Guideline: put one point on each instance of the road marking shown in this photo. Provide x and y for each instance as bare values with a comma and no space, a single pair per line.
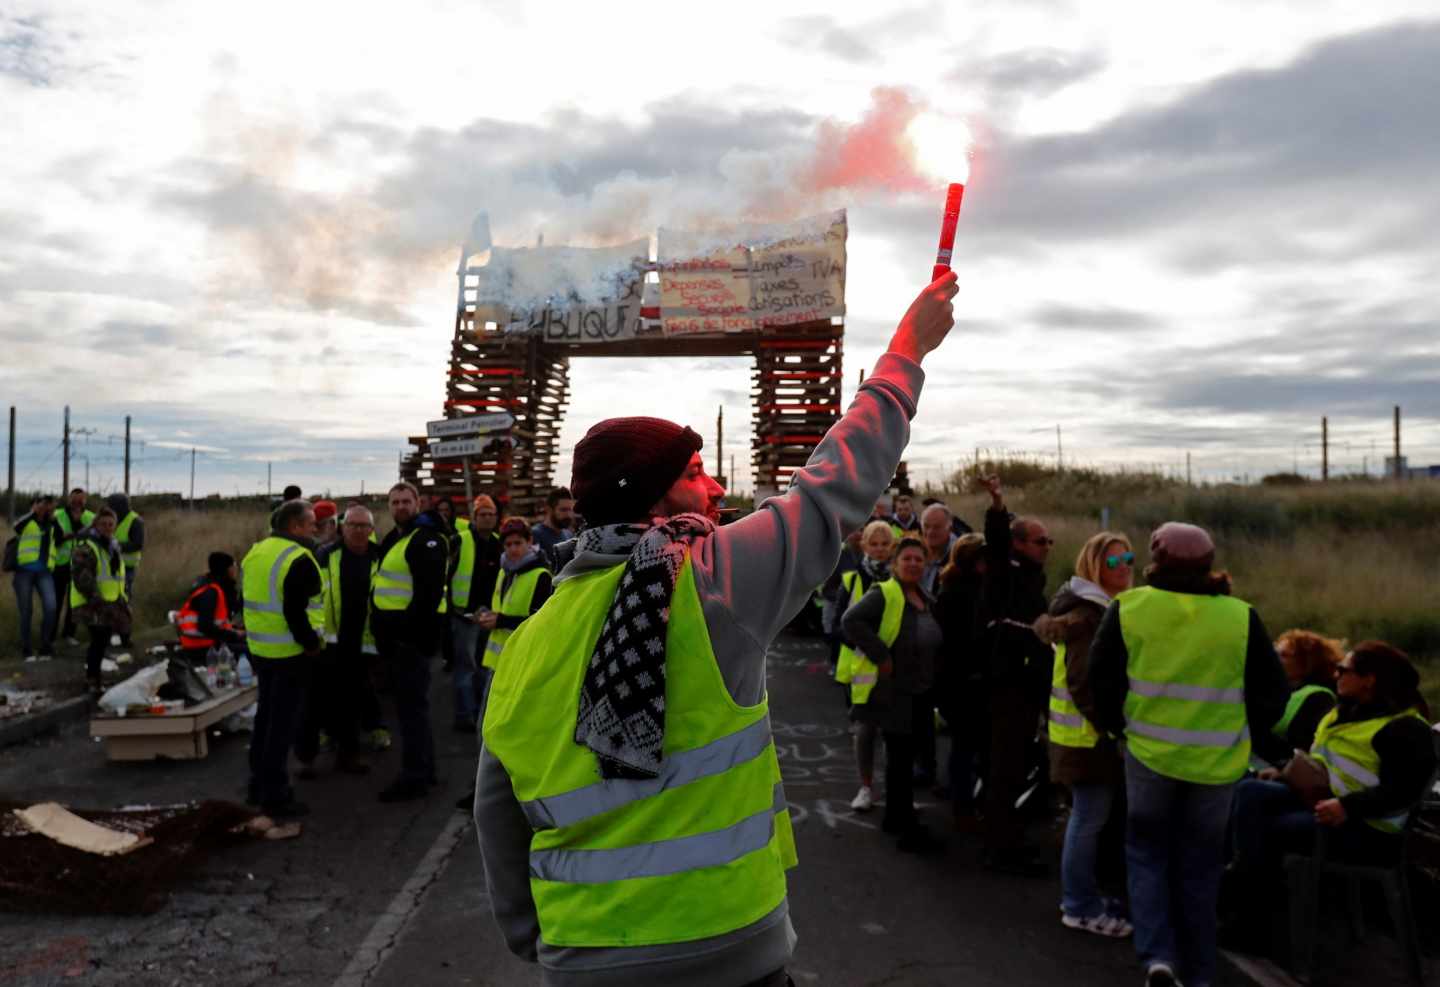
385,934
1262,971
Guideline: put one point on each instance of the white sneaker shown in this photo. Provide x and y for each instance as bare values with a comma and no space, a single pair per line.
864,800
1100,925
1161,975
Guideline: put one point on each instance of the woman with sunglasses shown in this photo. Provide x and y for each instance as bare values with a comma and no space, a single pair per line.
1080,757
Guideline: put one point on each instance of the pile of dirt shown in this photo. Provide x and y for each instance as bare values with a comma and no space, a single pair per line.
38,874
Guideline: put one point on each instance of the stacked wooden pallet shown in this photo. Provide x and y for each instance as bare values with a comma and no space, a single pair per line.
795,389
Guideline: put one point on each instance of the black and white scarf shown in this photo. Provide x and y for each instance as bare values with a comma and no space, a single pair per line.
622,700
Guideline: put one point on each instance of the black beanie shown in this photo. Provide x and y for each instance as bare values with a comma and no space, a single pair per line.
624,465
219,564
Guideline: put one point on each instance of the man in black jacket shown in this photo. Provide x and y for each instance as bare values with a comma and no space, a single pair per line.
1019,670
408,599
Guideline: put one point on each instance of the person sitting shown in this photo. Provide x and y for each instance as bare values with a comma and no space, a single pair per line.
1081,758
1310,662
1377,752
877,543
522,589
894,629
204,619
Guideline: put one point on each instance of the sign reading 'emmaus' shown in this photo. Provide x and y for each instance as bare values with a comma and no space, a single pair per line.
743,279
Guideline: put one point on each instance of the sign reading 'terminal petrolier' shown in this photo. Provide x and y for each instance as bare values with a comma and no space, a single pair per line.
448,428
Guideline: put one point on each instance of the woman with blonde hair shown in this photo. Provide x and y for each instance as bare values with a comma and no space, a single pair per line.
1310,661
1081,758
877,545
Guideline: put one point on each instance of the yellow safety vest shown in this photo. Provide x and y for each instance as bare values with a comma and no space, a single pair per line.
1292,706
515,602
262,575
32,540
394,583
330,585
461,582
864,672
62,552
697,852
1185,711
845,665
1348,752
109,583
122,535
1068,726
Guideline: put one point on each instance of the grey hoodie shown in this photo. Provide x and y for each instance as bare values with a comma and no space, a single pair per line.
752,577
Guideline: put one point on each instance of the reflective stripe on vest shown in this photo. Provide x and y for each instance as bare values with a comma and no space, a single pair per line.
864,672
62,552
394,585
32,542
1068,726
1348,752
122,535
109,583
1185,709
610,859
1292,707
334,600
262,574
188,620
514,602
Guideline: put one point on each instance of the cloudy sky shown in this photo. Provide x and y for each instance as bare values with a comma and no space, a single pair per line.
1190,227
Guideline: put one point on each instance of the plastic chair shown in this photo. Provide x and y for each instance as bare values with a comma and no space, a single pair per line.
1305,875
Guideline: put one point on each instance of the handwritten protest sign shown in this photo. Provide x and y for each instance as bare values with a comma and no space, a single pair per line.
565,294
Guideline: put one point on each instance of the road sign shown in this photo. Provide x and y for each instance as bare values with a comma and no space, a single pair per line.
458,447
447,428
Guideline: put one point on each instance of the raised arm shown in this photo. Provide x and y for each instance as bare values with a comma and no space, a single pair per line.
754,575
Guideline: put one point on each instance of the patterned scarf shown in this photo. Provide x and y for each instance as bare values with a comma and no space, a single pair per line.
878,571
622,700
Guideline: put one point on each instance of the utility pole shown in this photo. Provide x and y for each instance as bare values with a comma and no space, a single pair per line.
11,483
127,455
731,477
1324,449
65,471
720,444
1397,442
469,489
1187,470
1059,451
192,478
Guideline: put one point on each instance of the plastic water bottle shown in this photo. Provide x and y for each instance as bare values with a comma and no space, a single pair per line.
246,673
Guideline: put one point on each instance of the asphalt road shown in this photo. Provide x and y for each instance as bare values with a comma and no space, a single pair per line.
394,896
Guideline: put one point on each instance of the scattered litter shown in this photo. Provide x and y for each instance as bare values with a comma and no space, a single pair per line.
19,702
53,820
267,828
106,665
123,658
140,689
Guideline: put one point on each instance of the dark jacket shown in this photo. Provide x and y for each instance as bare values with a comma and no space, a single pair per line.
1266,688
1299,735
1407,762
543,587
1072,621
486,569
1013,597
915,654
428,558
960,611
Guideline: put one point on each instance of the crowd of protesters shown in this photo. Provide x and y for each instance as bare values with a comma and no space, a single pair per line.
1162,714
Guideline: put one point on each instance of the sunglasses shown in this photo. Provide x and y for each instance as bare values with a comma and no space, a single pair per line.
1115,561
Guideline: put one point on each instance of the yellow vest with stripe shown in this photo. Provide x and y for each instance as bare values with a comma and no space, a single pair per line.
864,672
1292,707
262,575
122,535
109,583
1185,711
699,851
514,602
32,540
845,665
1068,726
330,589
62,552
461,582
1348,752
394,583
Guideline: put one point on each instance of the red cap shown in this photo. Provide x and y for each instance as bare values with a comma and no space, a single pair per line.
325,509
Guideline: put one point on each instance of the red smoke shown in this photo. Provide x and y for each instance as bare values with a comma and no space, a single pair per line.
874,154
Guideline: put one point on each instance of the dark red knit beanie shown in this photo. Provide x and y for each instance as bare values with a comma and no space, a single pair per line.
624,465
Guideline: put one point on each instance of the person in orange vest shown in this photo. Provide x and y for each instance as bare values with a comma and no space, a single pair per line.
205,620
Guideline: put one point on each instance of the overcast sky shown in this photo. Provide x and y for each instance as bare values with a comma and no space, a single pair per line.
1190,227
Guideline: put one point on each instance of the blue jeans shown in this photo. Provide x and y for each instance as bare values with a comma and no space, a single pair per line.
1175,854
27,584
465,639
1269,821
1089,811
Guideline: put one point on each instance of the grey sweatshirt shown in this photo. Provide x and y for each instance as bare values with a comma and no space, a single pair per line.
752,577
